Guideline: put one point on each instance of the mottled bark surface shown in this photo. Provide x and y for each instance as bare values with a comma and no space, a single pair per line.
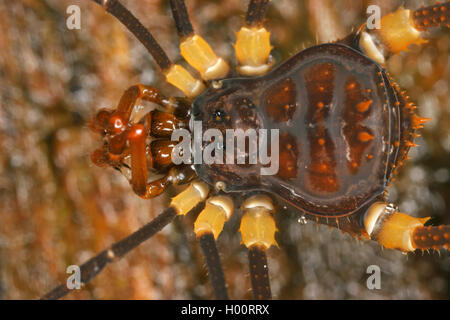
58,209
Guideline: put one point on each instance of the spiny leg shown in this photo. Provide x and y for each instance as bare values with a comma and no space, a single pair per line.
432,16
253,41
400,29
431,237
207,227
383,223
175,74
194,49
396,230
187,201
258,234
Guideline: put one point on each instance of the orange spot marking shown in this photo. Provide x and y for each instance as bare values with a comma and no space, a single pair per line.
364,136
364,106
321,141
396,143
320,105
369,156
351,86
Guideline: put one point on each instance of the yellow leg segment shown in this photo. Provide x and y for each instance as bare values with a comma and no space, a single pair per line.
217,211
397,32
186,200
198,53
390,228
253,50
183,80
257,224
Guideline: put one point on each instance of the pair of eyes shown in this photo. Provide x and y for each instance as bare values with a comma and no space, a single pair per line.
244,106
220,116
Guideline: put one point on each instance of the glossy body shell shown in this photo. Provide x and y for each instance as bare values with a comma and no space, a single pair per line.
343,128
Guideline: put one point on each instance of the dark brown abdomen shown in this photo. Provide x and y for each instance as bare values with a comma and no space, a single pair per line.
336,130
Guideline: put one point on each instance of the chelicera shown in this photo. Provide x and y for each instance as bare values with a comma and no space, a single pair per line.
345,127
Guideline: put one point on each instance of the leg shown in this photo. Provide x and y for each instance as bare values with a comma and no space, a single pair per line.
207,227
432,16
396,230
116,9
383,223
253,41
175,74
215,271
259,272
401,29
194,49
194,195
258,234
